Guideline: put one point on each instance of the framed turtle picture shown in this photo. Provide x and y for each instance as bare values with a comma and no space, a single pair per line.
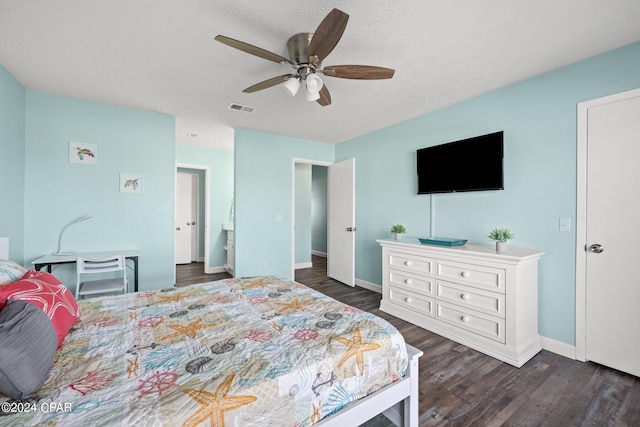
130,183
80,152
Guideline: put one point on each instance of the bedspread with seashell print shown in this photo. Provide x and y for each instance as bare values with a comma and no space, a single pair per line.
236,352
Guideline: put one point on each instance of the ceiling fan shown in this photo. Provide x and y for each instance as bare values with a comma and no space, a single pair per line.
306,53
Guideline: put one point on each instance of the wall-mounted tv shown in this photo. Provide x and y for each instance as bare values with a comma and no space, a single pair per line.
472,164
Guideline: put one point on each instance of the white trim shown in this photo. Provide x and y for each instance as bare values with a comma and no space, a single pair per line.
369,285
557,347
212,270
581,212
207,211
318,253
300,265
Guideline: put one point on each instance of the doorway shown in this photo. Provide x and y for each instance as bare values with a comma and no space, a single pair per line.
335,225
607,292
310,199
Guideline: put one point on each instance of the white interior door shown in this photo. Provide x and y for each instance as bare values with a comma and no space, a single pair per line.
342,218
612,214
183,218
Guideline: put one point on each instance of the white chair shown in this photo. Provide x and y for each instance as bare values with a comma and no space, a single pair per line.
90,266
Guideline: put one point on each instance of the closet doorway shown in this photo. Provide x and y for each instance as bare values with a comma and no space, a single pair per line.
191,213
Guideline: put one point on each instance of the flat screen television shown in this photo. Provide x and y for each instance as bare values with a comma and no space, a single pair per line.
472,164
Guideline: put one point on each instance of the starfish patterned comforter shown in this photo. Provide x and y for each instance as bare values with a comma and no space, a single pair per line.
236,352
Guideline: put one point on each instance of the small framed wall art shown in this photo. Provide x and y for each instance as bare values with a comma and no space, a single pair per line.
130,183
83,153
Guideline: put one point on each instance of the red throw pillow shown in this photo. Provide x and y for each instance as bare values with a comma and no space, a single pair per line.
44,290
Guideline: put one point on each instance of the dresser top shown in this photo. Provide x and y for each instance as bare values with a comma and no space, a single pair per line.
469,249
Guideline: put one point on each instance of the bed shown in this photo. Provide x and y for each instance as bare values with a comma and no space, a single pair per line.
237,352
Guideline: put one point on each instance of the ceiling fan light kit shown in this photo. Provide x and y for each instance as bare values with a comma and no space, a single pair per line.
306,53
314,83
291,86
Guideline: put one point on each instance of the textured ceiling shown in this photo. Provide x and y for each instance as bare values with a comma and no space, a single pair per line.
160,55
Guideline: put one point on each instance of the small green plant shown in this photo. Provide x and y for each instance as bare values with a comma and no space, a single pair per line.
501,234
398,229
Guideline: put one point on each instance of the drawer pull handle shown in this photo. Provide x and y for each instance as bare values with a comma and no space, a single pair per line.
408,300
465,319
407,281
407,263
466,274
464,296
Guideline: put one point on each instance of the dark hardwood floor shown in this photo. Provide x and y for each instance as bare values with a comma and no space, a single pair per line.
462,387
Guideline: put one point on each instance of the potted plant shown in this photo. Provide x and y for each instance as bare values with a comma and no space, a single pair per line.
397,230
501,235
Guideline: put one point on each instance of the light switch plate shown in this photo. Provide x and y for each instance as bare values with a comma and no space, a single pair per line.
565,224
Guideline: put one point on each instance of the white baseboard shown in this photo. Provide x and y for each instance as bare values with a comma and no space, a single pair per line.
212,270
320,254
368,285
303,265
563,349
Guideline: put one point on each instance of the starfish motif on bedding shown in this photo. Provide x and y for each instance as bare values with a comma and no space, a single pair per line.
215,404
257,283
355,347
189,330
293,305
164,298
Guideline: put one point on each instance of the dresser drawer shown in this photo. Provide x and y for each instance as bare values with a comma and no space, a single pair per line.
412,263
475,275
412,282
481,324
467,297
418,303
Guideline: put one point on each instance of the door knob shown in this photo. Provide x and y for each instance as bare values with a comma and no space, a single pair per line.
177,228
596,248
351,229
188,224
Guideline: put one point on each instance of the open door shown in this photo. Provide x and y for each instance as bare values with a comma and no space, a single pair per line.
184,218
342,217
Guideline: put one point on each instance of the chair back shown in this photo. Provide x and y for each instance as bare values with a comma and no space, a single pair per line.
86,266
100,265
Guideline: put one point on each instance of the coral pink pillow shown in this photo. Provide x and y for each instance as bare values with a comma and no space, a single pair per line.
45,291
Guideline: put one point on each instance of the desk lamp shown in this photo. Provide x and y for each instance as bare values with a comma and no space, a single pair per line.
75,221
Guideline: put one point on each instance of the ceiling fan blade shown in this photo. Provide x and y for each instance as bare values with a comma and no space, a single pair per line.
253,50
360,72
325,97
328,34
267,83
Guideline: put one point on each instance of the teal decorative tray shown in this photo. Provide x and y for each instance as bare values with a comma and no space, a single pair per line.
442,241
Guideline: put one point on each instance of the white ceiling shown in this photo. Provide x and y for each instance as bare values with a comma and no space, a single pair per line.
160,55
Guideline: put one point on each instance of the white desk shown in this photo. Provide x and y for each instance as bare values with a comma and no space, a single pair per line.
49,260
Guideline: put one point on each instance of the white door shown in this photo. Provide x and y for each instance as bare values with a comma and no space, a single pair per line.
183,221
342,218
612,215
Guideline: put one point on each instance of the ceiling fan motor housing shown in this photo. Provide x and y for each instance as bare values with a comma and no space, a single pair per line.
298,46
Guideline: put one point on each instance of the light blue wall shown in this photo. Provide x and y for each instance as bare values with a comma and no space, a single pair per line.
319,190
220,164
12,130
263,193
538,117
303,213
128,141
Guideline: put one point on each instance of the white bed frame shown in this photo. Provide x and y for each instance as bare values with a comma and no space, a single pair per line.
398,401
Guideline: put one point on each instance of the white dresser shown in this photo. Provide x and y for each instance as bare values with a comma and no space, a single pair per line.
481,298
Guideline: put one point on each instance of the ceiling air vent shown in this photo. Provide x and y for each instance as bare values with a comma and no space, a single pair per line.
239,107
